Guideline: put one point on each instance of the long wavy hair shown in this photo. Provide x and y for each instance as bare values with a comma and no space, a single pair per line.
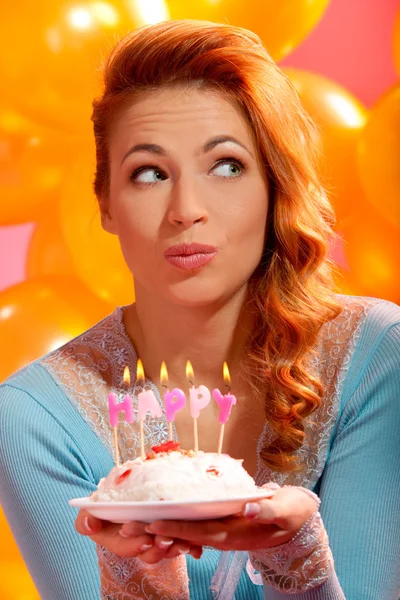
291,289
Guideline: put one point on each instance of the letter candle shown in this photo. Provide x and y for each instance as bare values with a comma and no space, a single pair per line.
147,402
114,407
199,398
174,401
225,404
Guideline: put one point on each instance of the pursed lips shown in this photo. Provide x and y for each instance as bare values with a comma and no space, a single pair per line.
190,256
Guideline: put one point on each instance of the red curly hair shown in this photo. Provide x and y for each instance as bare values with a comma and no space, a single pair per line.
292,287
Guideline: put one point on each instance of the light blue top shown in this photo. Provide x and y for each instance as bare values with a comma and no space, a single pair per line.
49,454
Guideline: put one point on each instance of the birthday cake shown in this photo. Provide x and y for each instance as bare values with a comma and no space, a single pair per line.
168,473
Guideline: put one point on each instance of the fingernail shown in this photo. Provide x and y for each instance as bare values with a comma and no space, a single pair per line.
145,547
251,510
148,529
165,544
86,525
126,530
183,549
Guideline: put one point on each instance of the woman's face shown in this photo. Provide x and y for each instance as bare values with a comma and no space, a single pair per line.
188,199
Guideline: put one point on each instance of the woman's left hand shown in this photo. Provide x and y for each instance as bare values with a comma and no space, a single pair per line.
261,524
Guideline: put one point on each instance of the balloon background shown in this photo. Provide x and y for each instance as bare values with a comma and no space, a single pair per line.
60,272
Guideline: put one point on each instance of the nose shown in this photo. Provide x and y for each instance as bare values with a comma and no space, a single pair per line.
186,206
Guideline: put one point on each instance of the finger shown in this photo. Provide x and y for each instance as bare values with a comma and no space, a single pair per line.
196,552
133,529
178,548
123,547
86,524
289,508
197,532
153,555
163,542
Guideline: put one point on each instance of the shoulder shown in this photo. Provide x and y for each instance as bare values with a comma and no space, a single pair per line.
374,355
372,311
376,311
361,319
373,320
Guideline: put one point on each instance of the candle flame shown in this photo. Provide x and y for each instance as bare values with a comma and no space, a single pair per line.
139,371
227,377
189,372
163,374
127,376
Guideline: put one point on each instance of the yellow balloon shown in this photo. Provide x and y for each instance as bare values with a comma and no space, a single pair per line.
47,252
42,314
15,582
281,25
379,156
341,119
372,248
96,254
397,41
33,162
53,50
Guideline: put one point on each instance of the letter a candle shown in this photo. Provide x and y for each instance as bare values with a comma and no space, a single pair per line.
174,401
147,402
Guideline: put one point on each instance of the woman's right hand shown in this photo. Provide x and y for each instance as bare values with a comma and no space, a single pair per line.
133,541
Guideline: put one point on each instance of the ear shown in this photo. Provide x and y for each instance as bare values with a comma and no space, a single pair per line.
107,222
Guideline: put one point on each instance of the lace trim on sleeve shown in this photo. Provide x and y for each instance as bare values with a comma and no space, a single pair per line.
301,564
132,579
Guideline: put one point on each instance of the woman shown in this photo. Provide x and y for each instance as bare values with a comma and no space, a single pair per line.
206,173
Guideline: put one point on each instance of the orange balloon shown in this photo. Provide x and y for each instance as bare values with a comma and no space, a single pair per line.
379,156
397,41
96,254
15,582
8,546
340,118
281,25
372,248
53,52
42,314
47,252
33,162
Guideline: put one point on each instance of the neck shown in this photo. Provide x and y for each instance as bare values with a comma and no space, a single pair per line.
207,336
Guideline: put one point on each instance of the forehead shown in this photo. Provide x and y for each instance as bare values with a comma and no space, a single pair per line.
187,114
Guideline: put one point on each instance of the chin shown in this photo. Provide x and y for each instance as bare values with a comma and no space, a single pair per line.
193,294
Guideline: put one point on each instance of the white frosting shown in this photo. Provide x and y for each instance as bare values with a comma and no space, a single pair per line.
176,476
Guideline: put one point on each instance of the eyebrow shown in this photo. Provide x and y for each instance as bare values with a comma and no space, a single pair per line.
208,146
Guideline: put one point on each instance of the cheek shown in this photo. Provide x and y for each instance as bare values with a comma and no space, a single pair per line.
137,232
246,220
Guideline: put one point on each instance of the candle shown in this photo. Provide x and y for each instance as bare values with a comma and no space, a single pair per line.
174,401
225,404
199,398
115,407
147,402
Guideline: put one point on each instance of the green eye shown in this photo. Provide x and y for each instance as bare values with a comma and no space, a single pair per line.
228,169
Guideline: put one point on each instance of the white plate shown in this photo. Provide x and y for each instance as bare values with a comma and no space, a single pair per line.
191,510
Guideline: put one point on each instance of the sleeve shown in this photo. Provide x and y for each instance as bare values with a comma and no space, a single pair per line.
360,486
41,468
132,579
